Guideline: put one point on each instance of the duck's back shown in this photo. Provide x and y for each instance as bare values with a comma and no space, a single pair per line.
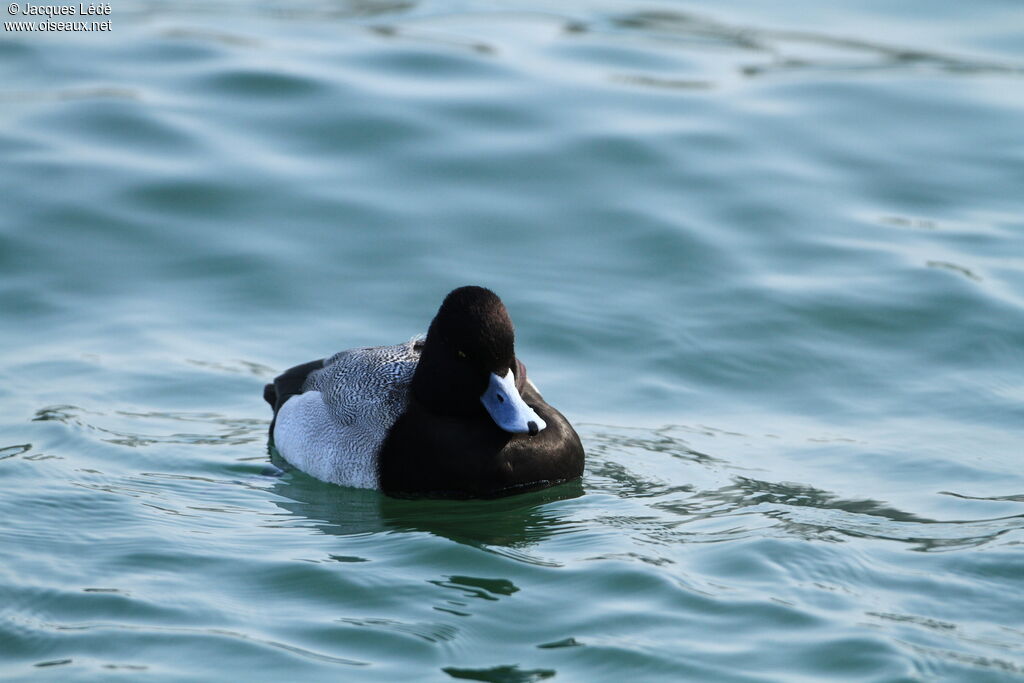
334,427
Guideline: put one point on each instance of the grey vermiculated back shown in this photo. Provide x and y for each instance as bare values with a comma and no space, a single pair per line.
367,388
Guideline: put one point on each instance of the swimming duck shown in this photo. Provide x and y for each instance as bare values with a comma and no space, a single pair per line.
450,415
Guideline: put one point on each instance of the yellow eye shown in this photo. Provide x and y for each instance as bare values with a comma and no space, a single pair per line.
462,354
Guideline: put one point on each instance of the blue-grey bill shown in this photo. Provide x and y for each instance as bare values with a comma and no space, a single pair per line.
507,408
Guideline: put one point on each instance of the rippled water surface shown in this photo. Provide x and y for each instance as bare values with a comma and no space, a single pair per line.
768,258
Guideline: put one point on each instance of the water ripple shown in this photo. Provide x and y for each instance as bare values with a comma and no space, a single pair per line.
855,54
226,430
718,513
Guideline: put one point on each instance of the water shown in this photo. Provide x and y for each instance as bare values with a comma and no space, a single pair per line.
768,260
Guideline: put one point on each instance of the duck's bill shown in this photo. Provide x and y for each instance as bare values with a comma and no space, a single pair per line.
507,408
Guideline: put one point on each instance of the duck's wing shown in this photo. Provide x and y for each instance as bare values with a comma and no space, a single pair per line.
368,385
332,427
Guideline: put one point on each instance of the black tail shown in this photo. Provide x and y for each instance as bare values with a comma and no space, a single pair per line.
287,384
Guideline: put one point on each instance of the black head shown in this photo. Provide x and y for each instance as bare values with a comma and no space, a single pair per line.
470,337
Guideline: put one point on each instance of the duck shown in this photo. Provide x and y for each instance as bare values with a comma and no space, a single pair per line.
450,415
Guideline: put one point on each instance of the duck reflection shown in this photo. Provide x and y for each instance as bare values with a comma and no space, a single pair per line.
512,522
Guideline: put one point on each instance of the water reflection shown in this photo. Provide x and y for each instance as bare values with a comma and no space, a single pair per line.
500,674
15,450
515,522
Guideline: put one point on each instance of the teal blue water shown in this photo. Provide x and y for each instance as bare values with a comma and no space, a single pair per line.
768,258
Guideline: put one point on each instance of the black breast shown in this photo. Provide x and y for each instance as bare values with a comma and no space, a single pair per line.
470,457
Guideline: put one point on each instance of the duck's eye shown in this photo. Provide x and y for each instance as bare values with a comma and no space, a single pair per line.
462,354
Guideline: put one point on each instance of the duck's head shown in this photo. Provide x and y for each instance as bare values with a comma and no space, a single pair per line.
469,360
